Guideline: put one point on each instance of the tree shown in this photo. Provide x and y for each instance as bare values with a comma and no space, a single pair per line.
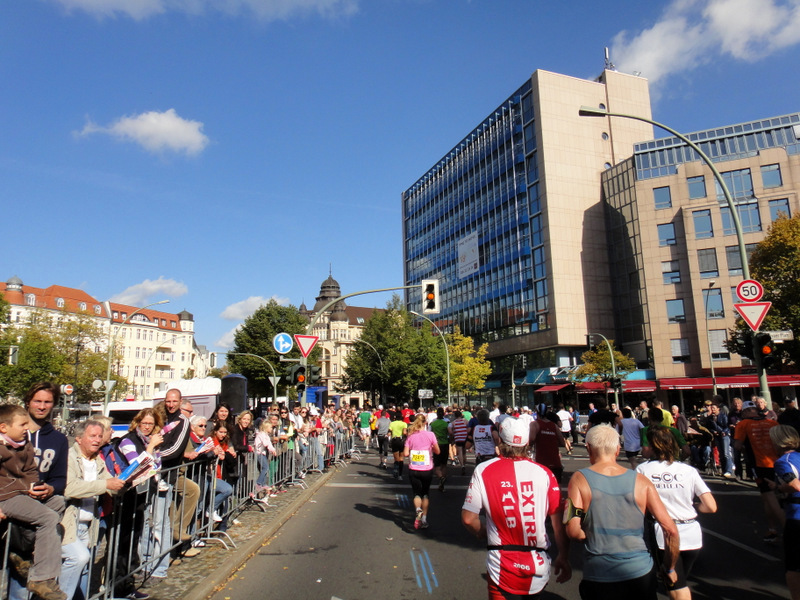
775,263
597,364
397,357
468,365
255,337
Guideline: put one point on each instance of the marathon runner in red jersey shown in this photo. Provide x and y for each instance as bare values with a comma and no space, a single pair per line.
517,496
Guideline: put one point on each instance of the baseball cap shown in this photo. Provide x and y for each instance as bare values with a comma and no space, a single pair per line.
748,404
515,432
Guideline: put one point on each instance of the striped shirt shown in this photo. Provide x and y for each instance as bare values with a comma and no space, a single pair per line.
459,430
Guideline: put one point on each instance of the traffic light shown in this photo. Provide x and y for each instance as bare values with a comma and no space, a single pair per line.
743,344
314,374
616,383
765,349
430,296
590,343
296,375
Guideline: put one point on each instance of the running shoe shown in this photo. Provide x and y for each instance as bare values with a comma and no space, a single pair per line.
424,523
441,483
418,520
772,536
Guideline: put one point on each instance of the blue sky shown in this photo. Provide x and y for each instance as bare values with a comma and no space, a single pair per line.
156,149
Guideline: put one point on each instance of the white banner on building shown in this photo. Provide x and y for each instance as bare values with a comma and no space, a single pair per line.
468,255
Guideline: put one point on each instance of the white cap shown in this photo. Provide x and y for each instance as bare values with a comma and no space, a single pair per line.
515,432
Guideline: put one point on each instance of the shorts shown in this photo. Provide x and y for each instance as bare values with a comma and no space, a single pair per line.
762,475
420,482
365,432
631,454
791,545
566,434
683,566
640,588
440,460
479,458
461,444
498,593
397,444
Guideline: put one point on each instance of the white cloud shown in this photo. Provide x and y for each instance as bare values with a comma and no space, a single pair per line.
156,132
226,340
139,294
268,10
239,311
693,32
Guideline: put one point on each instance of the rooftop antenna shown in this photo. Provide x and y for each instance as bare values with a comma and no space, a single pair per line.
609,66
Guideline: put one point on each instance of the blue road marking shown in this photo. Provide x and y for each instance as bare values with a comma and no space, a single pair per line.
423,568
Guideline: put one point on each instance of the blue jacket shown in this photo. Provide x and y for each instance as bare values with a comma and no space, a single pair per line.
51,448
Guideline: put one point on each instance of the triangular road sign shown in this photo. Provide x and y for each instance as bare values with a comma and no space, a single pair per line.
753,313
306,343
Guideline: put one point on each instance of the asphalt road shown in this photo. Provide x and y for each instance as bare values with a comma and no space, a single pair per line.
355,540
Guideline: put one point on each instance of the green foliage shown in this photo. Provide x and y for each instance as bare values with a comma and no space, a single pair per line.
396,357
468,365
255,337
597,364
775,263
49,348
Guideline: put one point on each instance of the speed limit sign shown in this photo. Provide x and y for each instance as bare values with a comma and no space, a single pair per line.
749,290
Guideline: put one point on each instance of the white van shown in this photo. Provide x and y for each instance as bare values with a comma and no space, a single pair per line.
122,414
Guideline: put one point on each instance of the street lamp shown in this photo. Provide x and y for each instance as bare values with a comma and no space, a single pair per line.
711,285
383,387
589,111
446,350
113,338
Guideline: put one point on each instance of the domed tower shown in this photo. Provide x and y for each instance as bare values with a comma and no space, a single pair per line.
186,320
328,291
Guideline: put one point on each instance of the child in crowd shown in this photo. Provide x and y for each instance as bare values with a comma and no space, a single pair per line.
264,451
18,501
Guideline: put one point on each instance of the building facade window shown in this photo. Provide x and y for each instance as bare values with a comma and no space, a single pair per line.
739,184
707,260
697,187
779,207
30,300
662,198
59,302
670,270
666,234
712,301
717,339
734,258
680,350
771,176
703,228
675,311
748,217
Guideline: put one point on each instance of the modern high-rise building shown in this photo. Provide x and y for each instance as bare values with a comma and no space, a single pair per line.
543,226
511,222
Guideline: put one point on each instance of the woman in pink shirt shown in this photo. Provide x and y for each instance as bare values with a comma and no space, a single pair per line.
420,447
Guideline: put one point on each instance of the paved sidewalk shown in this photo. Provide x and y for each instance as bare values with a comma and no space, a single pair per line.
198,577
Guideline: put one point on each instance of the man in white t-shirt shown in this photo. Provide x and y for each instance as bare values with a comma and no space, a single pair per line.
566,425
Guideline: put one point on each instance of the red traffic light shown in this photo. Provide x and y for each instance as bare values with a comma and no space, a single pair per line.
766,350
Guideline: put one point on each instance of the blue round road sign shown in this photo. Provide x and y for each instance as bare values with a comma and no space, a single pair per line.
282,343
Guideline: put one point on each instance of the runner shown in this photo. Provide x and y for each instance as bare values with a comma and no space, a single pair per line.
364,430
439,428
786,440
483,437
664,471
566,425
382,431
458,430
420,447
397,434
517,496
546,438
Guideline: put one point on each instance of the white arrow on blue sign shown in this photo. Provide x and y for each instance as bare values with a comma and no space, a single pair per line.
282,343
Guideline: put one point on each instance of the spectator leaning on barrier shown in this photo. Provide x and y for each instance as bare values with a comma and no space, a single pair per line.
18,476
186,493
87,480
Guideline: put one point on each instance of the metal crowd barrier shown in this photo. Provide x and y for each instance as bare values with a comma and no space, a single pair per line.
157,520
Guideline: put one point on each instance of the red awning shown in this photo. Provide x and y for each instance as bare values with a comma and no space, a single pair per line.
638,386
552,388
686,383
592,387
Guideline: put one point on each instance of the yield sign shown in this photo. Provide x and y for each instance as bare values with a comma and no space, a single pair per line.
753,313
306,343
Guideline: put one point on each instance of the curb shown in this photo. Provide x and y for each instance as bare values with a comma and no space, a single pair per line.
207,586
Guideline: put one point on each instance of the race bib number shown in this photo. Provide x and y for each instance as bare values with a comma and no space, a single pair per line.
420,458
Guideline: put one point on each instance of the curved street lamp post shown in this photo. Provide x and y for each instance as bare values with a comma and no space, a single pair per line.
446,350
